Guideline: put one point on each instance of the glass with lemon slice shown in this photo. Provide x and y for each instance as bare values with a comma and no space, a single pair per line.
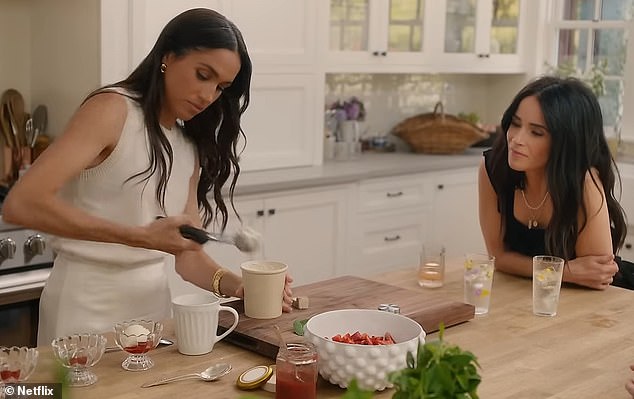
478,280
547,274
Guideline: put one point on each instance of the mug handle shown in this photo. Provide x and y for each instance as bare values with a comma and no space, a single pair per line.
233,326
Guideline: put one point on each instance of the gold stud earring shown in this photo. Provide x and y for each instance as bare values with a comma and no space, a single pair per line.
163,67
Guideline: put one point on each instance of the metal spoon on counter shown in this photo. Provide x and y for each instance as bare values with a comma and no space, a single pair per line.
210,374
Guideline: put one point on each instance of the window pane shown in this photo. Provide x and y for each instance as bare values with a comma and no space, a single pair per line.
460,26
610,101
572,48
616,10
505,26
406,23
610,45
579,9
349,25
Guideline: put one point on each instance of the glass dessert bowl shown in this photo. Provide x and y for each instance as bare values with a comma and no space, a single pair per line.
17,363
79,352
138,337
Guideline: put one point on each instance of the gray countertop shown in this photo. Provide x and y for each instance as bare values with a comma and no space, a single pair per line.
370,165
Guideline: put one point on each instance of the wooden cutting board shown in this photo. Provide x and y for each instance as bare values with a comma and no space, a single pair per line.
345,292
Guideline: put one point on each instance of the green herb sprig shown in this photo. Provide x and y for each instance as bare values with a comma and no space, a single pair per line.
440,370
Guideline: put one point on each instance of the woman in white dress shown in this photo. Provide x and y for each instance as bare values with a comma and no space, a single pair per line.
154,144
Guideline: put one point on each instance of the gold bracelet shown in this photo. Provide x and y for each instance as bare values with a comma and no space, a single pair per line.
215,283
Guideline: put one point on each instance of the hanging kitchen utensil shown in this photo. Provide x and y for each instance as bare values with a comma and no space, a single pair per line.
5,126
40,120
15,101
29,132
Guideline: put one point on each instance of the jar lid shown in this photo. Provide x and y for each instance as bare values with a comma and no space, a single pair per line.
254,377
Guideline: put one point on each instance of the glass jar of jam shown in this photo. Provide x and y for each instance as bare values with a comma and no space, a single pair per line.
296,371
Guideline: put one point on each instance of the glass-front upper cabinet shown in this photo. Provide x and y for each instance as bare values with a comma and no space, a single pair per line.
423,35
485,35
370,35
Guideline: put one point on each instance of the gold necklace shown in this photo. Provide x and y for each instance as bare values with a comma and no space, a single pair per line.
532,220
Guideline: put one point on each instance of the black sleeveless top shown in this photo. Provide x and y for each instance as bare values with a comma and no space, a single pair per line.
517,236
530,242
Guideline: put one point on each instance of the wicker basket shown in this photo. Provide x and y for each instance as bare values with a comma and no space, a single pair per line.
438,133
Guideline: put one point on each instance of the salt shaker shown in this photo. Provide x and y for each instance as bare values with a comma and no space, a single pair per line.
296,371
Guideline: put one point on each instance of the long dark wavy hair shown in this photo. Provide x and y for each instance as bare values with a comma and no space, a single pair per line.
216,130
573,118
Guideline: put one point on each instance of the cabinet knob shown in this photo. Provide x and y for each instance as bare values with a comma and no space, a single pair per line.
484,55
375,53
272,211
383,53
7,249
628,246
440,186
393,238
396,194
260,212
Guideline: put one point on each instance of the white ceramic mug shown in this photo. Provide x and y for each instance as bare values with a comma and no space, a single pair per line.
263,283
196,322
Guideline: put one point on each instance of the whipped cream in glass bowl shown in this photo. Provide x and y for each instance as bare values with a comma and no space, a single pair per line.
137,338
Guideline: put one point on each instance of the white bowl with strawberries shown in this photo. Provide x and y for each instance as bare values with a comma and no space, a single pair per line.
356,344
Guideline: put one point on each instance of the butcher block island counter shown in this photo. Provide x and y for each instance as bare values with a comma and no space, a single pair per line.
583,352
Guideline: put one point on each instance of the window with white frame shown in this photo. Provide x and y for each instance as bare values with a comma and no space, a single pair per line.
593,35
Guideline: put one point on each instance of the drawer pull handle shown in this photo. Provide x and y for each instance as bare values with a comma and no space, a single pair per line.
396,194
393,238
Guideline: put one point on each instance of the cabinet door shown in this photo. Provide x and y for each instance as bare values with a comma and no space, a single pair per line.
390,241
307,231
280,34
252,214
481,35
375,35
455,212
226,255
280,124
148,17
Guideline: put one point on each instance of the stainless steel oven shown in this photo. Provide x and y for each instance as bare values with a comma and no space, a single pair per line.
26,260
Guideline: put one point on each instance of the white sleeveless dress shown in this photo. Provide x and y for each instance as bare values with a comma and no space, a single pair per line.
93,284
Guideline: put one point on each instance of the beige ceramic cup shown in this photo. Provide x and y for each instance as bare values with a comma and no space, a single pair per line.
263,283
196,322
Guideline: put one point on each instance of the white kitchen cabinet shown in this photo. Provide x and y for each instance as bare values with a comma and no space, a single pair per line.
455,221
280,34
392,215
390,241
414,36
281,123
374,35
480,35
306,229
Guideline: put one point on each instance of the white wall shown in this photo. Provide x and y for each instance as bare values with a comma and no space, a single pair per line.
50,56
390,98
15,49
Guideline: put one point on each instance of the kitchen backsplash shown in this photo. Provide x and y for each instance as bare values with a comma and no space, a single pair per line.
390,98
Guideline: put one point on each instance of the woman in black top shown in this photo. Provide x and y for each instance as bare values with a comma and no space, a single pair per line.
547,186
